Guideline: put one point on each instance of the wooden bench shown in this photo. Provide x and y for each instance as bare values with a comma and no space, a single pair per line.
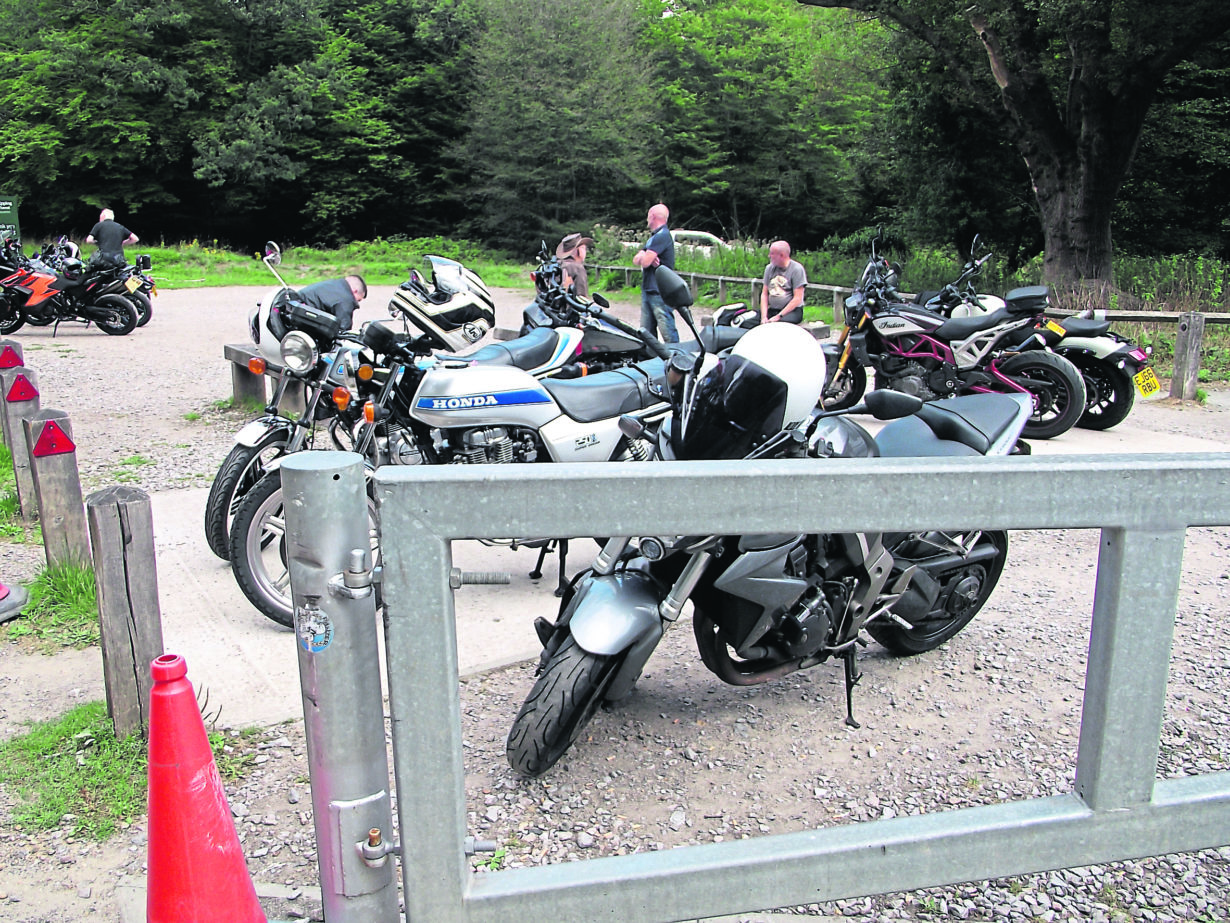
247,387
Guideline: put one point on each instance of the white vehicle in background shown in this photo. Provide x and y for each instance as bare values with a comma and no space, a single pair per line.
698,241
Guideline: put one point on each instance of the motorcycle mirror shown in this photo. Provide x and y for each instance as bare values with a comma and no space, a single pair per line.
144,263
273,253
600,301
886,404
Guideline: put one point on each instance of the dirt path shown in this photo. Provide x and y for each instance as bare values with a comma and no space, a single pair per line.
991,716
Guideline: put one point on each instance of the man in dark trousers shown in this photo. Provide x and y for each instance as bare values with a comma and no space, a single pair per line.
110,236
339,297
656,316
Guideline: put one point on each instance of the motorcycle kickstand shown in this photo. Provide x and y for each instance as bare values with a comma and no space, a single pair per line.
536,573
562,584
853,676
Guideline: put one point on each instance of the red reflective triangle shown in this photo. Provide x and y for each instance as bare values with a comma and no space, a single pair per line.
9,358
21,390
52,441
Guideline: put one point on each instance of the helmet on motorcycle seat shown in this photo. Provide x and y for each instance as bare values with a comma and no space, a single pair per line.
771,380
72,269
455,310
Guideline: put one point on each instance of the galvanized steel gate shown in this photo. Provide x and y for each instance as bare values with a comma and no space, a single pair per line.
1119,809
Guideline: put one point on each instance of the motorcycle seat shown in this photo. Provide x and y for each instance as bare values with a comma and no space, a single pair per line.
966,425
1084,327
960,328
609,394
530,351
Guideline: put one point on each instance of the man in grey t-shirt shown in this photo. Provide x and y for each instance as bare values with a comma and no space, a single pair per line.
785,283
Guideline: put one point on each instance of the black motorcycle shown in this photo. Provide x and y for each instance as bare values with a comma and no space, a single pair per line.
767,605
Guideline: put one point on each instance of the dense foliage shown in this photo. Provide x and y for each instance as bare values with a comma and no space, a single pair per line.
321,121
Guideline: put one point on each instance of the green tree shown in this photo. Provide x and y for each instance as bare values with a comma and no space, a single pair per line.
561,133
765,111
1076,79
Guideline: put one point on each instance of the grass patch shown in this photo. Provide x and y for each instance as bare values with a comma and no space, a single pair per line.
62,611
71,773
248,405
192,416
136,461
13,526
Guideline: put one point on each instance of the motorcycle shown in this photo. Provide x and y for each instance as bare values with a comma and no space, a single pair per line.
921,352
1113,367
598,345
767,605
449,410
42,295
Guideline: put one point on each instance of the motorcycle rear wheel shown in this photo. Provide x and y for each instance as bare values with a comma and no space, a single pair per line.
564,698
1057,388
258,549
120,318
1111,394
966,588
240,471
846,388
145,307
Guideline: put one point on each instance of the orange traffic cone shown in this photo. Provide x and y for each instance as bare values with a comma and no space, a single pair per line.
196,866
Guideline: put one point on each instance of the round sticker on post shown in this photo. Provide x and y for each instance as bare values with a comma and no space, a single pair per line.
313,627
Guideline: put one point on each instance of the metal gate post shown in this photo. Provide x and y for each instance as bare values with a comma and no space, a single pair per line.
1134,603
328,549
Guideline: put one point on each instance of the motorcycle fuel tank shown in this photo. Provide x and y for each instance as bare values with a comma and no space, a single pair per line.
900,323
452,397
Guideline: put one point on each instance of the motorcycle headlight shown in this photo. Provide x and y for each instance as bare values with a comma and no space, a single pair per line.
299,352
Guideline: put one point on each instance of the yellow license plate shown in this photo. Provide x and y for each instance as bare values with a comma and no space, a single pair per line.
1146,382
1055,328
132,284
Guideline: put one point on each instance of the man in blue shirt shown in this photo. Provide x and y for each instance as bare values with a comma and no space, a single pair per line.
659,250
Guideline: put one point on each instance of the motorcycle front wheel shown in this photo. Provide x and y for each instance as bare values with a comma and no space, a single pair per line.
846,388
1057,388
564,698
12,319
117,315
240,471
258,549
965,586
1111,394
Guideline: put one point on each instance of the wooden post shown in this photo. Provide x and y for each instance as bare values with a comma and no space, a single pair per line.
21,401
11,354
126,579
839,307
1187,344
721,291
57,485
245,385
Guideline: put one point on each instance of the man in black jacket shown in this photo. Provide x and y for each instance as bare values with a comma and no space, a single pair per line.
110,236
339,297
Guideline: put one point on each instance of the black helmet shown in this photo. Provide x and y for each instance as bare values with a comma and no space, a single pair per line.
73,269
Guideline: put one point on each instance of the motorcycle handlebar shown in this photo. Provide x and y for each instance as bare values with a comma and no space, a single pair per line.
656,346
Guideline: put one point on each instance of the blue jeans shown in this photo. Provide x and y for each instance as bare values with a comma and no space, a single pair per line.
656,316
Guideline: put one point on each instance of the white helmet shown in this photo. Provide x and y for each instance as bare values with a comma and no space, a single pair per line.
265,326
771,380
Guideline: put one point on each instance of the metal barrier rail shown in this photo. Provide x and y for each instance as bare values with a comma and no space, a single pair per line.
1119,809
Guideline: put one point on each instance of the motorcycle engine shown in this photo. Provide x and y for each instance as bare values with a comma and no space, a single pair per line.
494,445
925,384
399,447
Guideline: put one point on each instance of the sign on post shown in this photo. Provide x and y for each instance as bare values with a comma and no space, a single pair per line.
53,461
19,400
9,226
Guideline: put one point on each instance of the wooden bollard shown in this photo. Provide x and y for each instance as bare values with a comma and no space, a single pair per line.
57,484
1187,344
21,401
11,354
126,579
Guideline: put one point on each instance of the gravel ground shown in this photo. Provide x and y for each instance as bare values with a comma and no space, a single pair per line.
991,716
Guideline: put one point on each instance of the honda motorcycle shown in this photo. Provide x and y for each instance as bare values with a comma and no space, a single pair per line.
767,605
1113,367
923,353
451,410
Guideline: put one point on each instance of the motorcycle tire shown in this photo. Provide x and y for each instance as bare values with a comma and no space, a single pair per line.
565,696
145,307
13,319
845,389
965,588
258,550
1111,394
1057,388
240,471
120,317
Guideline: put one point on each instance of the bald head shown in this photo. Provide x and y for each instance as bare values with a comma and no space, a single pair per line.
779,254
658,215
